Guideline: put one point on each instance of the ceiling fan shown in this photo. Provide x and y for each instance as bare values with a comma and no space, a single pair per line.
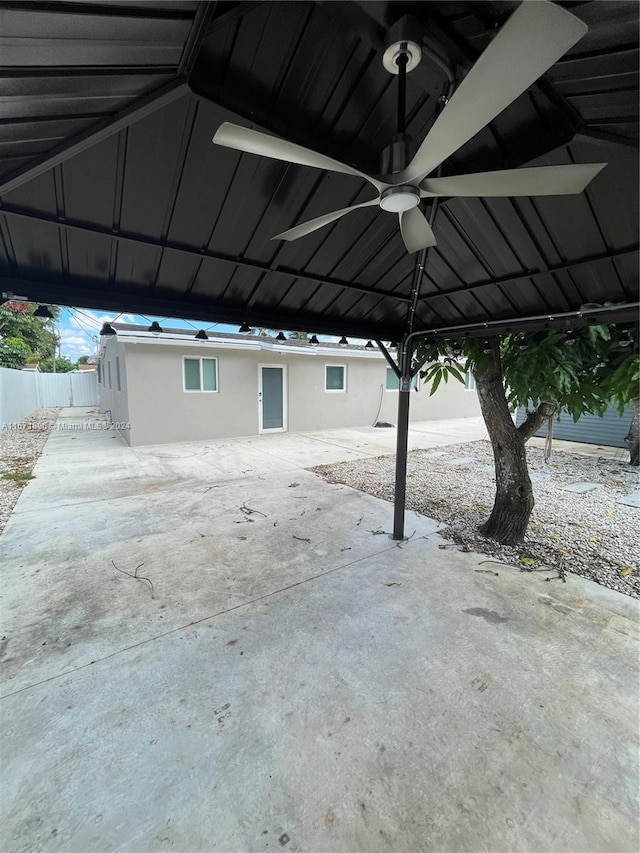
536,35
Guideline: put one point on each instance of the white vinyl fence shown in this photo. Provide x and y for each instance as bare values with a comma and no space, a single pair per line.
22,392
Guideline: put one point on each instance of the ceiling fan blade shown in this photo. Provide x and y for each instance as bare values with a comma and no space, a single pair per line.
532,40
313,224
539,180
254,142
416,231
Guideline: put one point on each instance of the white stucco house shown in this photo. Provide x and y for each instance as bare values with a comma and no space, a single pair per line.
170,387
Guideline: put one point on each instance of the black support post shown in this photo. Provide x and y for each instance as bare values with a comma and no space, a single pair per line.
402,439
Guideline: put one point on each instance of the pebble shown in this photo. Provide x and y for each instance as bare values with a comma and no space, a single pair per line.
19,450
588,533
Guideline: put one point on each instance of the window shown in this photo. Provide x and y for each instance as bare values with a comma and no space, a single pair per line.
109,372
200,374
118,373
209,374
469,381
335,377
393,383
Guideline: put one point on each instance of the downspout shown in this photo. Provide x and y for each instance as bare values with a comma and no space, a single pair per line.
375,420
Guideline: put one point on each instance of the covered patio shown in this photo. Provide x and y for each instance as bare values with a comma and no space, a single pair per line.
113,195
278,680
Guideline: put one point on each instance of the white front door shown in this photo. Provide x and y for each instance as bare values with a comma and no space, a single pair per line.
272,397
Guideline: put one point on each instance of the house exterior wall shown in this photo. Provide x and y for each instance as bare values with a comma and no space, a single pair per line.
451,400
153,398
111,398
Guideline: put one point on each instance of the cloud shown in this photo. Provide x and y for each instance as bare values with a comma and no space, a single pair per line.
80,327
74,344
95,319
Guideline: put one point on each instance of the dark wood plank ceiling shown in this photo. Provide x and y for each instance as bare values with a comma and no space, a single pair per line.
112,195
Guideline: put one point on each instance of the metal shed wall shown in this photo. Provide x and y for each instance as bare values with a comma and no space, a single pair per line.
608,431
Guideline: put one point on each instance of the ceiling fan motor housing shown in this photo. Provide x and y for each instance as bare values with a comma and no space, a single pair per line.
398,155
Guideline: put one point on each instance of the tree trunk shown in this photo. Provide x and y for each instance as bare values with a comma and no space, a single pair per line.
633,436
514,495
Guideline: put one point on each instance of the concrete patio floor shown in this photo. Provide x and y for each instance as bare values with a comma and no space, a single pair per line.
288,677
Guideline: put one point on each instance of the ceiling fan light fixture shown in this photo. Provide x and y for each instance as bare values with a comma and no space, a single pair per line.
400,199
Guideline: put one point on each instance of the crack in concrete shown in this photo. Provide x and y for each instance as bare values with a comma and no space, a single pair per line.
198,621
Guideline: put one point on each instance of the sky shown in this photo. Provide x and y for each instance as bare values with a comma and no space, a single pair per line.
79,329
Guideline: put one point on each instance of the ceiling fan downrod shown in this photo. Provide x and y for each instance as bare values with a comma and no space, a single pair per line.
401,61
402,55
398,154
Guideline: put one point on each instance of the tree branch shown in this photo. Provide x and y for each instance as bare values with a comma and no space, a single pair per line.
534,420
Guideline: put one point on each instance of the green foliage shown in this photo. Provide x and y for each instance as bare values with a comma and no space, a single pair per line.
84,359
443,361
19,478
553,367
19,472
620,373
13,353
586,370
63,365
17,322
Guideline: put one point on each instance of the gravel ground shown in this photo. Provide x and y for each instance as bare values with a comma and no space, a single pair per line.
588,534
19,450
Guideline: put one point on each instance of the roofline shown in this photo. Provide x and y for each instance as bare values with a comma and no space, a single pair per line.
249,345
